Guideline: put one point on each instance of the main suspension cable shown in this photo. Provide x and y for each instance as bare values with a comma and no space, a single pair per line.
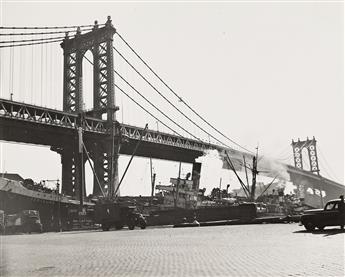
27,44
327,164
32,40
43,33
166,99
179,97
160,111
147,111
148,101
46,27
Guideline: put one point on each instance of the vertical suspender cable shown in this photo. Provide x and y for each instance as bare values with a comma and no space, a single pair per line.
11,72
51,76
42,74
20,74
46,76
24,75
1,88
32,75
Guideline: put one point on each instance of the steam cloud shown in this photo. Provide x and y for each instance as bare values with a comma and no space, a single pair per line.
275,168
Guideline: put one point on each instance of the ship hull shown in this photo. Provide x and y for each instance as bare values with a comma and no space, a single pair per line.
242,212
56,211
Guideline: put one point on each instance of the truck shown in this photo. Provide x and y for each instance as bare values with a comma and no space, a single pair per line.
114,214
331,215
26,221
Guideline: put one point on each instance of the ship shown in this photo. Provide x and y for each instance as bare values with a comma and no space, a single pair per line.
57,211
182,201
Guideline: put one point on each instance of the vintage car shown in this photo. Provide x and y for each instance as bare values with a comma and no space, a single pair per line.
26,221
330,215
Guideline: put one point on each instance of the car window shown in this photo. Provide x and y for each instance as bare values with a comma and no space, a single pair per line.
329,206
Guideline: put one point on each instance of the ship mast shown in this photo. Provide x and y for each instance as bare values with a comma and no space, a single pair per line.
254,174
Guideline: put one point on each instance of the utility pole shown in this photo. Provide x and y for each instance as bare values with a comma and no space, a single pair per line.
81,165
220,188
153,180
178,184
59,198
112,185
151,177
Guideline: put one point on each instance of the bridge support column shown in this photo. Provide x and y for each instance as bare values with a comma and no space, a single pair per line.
101,156
99,161
113,169
68,171
73,173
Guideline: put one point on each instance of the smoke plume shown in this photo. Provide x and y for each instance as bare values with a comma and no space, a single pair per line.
275,168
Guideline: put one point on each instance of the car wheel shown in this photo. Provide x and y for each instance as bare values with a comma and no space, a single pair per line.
131,226
321,227
309,226
105,227
118,227
143,225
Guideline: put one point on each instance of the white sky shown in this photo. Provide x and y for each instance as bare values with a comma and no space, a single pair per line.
264,73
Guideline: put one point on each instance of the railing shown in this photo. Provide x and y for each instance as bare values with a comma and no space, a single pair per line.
40,115
133,132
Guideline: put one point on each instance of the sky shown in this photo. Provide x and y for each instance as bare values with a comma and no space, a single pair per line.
263,73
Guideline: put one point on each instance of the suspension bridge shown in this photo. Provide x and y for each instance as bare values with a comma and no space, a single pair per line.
91,113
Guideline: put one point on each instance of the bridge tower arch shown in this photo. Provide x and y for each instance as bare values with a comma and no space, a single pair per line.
308,146
103,153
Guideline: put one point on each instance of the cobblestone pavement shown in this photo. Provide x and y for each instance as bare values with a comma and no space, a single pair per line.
242,250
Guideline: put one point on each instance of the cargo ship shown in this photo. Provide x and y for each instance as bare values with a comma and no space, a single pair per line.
183,202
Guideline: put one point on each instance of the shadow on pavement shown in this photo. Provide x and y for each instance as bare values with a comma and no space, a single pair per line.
325,232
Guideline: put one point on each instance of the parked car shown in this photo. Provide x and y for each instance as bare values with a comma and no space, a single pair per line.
26,221
330,215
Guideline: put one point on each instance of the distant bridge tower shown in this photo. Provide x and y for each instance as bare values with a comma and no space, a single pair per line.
310,145
316,198
104,153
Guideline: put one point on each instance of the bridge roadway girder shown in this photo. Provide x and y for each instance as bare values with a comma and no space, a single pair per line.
25,123
56,136
309,186
63,140
160,151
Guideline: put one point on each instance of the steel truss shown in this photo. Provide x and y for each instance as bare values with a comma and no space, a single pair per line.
40,115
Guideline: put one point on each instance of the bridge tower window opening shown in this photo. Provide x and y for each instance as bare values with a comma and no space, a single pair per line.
304,156
87,82
88,178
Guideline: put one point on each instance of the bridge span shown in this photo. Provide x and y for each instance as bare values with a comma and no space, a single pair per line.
26,123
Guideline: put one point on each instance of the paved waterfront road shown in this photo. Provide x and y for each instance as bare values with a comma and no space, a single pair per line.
246,250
